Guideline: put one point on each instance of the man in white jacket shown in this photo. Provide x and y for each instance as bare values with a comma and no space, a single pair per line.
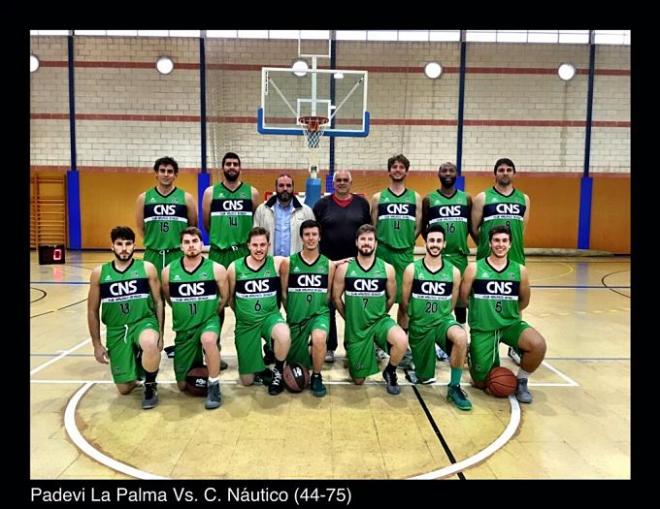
282,216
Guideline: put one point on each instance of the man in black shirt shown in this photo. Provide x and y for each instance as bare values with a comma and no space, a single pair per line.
340,215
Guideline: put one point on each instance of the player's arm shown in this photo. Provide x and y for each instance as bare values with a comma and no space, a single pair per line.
525,292
284,280
165,284
332,269
406,287
477,215
255,198
338,284
466,284
391,286
220,276
425,214
526,216
191,207
154,285
418,215
374,208
231,282
139,214
93,321
469,218
455,289
206,207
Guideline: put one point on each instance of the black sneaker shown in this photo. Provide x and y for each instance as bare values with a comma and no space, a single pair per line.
318,388
277,384
213,396
150,398
392,384
264,377
223,365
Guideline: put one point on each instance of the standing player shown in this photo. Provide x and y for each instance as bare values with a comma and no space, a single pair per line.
370,289
254,286
498,290
430,291
306,280
196,288
128,291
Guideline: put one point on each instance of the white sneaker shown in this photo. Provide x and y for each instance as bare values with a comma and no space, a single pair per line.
514,356
440,354
380,354
329,356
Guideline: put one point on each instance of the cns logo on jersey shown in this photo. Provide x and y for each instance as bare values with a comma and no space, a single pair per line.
449,211
366,285
164,210
309,280
230,205
507,208
499,287
123,288
191,289
397,208
257,286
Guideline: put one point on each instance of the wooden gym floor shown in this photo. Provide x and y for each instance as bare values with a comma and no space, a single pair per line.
577,427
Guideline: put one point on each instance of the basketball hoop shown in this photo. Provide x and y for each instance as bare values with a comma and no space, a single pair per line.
313,127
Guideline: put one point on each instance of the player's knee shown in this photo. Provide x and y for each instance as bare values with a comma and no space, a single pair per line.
247,380
209,341
318,338
125,388
459,338
358,381
149,343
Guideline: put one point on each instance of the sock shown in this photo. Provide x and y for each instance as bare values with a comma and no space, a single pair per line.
522,374
150,376
279,366
460,314
214,379
456,376
390,368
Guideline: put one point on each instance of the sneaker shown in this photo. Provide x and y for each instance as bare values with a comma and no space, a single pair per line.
407,360
514,355
213,396
458,397
522,393
223,365
269,355
264,377
329,356
427,381
440,354
277,384
380,354
169,351
150,398
392,385
318,388
411,376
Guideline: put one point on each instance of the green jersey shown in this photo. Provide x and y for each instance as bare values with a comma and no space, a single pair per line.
257,291
365,295
452,214
231,216
503,210
307,288
494,297
165,217
430,299
396,219
195,295
125,296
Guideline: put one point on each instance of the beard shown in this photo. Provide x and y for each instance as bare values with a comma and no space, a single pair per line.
432,253
125,258
284,196
233,176
366,250
448,181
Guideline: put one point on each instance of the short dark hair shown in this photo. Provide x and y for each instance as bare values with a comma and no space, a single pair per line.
167,160
230,155
256,231
448,164
191,230
499,229
122,232
309,223
437,227
504,160
365,228
398,158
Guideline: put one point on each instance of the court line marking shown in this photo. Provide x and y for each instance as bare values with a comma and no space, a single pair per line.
84,445
571,382
60,356
497,444
547,278
59,282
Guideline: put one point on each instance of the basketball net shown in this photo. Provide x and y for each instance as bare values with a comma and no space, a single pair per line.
313,127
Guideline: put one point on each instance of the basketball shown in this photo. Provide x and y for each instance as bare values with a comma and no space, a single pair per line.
501,382
296,377
197,380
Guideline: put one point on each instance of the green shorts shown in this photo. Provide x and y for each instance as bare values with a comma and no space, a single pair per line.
399,259
162,258
422,343
360,349
123,344
301,338
225,256
189,351
248,342
457,260
484,351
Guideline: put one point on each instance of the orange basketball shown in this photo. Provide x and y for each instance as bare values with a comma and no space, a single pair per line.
196,380
501,382
296,377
